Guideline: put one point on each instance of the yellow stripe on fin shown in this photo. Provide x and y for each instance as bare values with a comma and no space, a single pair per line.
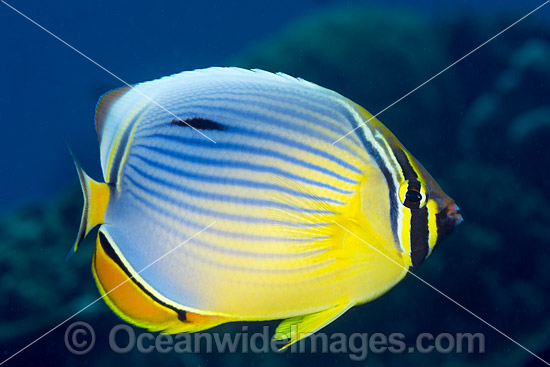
96,198
299,327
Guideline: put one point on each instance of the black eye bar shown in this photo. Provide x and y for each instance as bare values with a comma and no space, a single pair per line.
413,197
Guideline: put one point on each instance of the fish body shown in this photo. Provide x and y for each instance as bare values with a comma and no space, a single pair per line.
227,198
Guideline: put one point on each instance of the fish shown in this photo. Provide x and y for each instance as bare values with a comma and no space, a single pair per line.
229,195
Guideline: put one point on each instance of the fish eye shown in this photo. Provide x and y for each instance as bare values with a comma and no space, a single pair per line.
412,194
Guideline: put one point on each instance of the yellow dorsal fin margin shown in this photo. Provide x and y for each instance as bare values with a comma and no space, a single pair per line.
96,197
299,327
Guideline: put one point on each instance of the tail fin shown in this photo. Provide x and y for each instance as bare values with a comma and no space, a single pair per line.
96,197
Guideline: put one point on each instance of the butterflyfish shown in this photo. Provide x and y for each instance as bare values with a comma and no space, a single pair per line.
230,195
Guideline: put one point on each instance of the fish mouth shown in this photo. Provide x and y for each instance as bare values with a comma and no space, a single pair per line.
448,219
454,218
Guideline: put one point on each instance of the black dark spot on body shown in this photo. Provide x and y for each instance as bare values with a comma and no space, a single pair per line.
199,124
182,315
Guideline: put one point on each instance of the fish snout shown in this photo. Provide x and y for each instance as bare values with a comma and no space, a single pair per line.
448,219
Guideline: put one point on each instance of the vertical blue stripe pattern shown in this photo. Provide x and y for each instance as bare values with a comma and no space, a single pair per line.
271,182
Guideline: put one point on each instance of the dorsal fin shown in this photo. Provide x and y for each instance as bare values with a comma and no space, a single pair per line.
104,105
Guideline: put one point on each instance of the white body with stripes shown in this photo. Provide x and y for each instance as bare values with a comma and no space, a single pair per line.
297,224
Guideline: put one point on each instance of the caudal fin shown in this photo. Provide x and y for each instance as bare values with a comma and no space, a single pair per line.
96,197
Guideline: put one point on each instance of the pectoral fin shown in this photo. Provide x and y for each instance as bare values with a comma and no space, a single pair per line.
299,327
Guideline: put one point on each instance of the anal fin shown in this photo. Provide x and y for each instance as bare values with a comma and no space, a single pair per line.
133,303
299,327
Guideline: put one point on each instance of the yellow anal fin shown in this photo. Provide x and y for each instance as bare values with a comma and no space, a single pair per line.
132,303
299,327
96,198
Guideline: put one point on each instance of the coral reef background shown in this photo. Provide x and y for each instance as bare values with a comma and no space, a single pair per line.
482,129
